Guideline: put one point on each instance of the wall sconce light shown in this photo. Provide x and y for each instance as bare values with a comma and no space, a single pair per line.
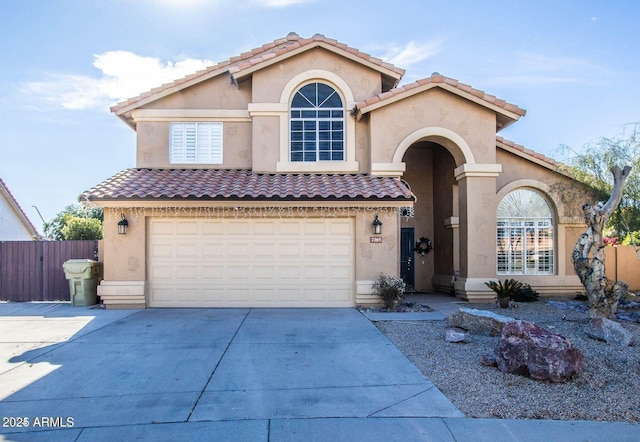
122,225
377,226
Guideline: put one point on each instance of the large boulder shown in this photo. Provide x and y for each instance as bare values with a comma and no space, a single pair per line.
530,350
482,322
609,331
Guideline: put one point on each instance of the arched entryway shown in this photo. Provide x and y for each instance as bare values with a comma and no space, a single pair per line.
430,175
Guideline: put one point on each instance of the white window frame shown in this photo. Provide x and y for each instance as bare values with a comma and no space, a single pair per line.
280,110
315,125
525,241
196,143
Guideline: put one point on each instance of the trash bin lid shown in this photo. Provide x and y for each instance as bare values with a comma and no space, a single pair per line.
78,265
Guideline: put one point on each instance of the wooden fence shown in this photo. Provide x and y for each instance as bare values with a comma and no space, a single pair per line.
32,270
623,263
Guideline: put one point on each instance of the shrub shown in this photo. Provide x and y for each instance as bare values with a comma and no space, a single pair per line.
390,289
525,294
82,228
504,290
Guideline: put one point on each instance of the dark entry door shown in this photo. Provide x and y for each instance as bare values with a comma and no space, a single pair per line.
406,256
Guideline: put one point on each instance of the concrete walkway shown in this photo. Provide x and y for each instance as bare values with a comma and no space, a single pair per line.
83,374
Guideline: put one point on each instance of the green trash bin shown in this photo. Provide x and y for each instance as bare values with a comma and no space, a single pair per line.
83,276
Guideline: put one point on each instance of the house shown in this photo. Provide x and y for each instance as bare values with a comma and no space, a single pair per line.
14,223
262,181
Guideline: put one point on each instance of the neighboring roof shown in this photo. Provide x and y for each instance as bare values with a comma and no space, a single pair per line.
4,190
233,185
251,61
507,113
532,156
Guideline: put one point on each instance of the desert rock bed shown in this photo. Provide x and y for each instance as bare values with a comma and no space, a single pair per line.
607,390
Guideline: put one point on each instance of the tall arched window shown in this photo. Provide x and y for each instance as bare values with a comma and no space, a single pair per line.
317,124
525,234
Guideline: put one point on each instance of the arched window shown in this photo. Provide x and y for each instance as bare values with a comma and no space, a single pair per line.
525,234
317,124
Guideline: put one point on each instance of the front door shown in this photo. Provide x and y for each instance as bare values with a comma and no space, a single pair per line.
406,256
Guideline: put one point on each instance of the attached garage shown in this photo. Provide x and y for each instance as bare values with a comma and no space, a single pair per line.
236,238
268,262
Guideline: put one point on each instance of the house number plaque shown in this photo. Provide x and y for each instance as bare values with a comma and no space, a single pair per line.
375,239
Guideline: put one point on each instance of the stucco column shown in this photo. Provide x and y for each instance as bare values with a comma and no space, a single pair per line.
477,193
124,273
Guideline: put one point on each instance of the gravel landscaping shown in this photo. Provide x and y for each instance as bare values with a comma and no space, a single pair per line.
607,390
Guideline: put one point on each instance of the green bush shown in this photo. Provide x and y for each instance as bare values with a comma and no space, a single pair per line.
504,290
525,294
632,238
390,289
82,228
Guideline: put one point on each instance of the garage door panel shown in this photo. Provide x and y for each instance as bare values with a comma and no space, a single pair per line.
315,272
340,228
162,227
212,273
187,228
288,250
262,263
340,250
161,251
288,272
187,250
239,228
236,272
212,250
212,227
263,250
188,272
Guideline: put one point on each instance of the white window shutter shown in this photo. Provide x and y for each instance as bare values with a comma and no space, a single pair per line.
196,143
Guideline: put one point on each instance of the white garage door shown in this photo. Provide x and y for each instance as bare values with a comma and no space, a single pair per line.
251,262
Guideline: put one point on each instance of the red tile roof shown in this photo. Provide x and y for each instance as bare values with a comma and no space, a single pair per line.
531,155
255,57
437,80
233,185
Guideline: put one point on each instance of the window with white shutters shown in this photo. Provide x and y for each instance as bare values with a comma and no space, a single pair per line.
525,234
196,143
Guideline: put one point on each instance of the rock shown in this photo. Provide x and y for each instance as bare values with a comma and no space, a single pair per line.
489,360
609,331
482,322
528,349
455,334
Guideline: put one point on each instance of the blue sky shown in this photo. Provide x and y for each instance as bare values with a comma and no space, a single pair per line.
573,65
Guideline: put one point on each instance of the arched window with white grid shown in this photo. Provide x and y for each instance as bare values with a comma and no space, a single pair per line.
317,124
525,234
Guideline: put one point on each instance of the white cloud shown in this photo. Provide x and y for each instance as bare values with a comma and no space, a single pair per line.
123,75
411,53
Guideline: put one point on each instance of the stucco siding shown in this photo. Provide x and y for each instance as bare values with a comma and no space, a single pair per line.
269,83
215,93
433,108
153,146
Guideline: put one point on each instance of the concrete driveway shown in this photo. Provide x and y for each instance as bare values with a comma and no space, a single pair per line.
243,374
82,374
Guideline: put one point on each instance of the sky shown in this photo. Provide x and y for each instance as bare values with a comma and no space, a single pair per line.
572,64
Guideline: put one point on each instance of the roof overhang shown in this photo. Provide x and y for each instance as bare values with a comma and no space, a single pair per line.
506,113
390,74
